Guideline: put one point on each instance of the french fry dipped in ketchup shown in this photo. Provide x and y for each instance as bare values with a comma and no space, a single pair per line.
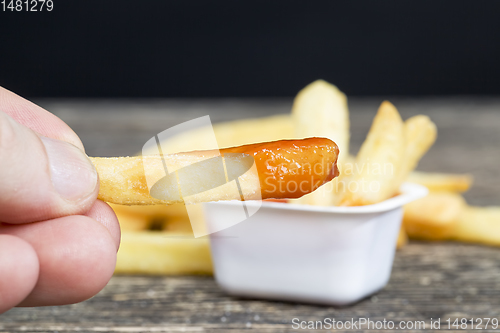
292,168
284,169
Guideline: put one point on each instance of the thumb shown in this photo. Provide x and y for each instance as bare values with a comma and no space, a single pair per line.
41,178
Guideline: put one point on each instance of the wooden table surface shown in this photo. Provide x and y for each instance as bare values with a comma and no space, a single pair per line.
429,280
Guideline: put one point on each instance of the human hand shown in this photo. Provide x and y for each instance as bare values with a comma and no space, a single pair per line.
57,242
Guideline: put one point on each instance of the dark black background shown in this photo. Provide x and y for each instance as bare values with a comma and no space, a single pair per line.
188,48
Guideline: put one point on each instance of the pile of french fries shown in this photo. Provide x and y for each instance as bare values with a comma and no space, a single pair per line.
159,239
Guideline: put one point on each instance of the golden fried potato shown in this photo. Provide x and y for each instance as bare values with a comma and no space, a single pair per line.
151,252
479,225
420,135
375,173
320,109
202,176
434,217
442,181
123,180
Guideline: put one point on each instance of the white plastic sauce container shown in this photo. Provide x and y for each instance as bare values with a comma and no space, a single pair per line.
328,255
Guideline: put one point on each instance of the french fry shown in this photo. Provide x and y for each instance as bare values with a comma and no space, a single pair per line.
434,217
420,134
171,250
150,252
379,161
123,181
442,181
479,225
320,109
259,168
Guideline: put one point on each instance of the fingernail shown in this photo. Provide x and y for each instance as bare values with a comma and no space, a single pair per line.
72,173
